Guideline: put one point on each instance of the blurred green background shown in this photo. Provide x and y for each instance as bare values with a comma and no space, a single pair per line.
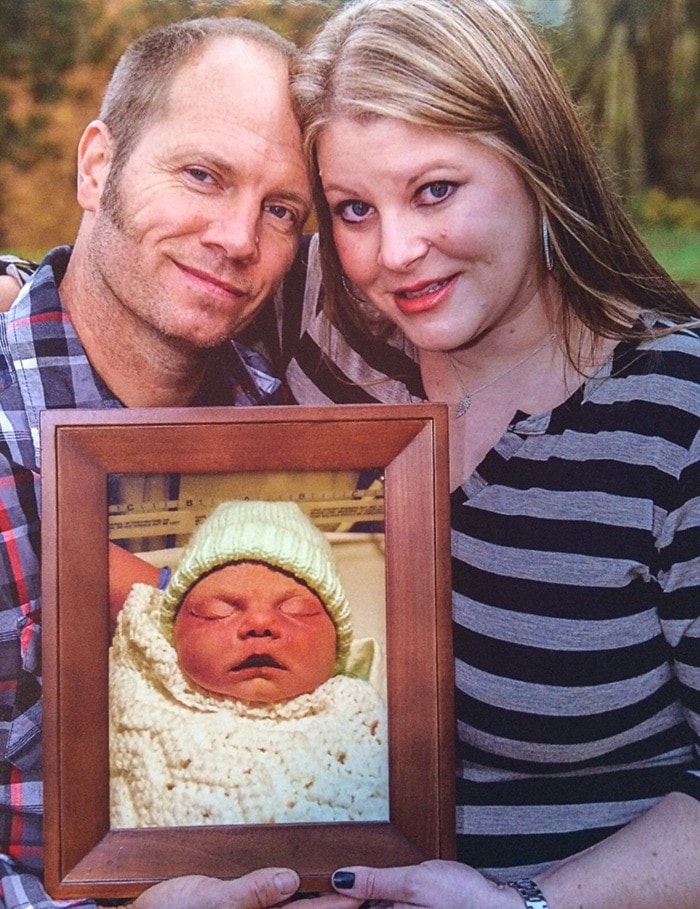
631,64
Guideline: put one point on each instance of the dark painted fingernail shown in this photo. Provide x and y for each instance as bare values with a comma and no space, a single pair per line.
343,880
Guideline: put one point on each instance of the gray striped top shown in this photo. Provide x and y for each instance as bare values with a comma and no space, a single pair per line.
576,569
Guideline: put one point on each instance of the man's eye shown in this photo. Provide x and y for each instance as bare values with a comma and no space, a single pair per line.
436,191
353,211
199,174
282,212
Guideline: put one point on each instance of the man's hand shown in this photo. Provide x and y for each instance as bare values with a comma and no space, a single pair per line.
9,289
260,889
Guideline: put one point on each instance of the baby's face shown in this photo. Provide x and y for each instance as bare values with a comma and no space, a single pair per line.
252,633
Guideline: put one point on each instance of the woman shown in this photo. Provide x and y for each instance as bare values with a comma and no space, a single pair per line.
473,253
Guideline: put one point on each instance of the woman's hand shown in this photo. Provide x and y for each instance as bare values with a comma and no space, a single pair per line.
260,889
431,885
651,862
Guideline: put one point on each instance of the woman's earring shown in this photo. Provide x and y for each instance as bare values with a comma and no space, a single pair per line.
547,244
350,292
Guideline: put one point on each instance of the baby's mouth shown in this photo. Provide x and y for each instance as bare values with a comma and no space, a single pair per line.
257,661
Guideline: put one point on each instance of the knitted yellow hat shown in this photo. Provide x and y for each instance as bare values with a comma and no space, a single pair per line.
274,533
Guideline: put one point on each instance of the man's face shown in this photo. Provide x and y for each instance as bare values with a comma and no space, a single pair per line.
205,216
255,634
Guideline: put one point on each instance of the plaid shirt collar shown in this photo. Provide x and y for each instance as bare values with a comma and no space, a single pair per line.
44,355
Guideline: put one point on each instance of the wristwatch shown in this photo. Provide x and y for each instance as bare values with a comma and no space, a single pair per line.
530,892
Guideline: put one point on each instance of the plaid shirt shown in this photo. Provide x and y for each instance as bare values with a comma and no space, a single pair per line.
43,365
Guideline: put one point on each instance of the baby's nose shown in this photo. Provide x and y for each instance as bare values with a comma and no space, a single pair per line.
259,622
258,633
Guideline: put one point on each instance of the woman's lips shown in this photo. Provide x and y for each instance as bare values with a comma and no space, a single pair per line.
423,297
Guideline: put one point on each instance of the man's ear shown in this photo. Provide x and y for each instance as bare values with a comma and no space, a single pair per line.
94,162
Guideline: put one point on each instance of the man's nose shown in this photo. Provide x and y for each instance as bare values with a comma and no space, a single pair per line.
235,229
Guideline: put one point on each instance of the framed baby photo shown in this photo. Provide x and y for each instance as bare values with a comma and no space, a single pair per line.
247,654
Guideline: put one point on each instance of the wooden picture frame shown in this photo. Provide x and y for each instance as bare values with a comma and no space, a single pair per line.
84,857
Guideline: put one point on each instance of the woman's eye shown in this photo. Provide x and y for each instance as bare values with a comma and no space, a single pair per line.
435,192
354,211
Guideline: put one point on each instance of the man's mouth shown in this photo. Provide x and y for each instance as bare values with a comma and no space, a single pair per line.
215,284
257,661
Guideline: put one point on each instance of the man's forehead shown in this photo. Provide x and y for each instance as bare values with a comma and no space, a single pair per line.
234,83
229,108
228,59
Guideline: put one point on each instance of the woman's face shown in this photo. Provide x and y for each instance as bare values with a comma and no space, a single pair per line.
438,232
254,634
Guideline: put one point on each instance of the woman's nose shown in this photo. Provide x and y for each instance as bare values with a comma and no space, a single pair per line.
401,244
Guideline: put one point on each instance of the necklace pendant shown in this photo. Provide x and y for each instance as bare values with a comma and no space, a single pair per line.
463,405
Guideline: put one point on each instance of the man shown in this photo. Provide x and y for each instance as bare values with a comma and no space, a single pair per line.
192,212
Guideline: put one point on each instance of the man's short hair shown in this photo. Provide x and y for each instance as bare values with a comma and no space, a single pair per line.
139,90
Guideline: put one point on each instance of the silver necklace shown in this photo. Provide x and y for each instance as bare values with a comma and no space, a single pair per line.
465,401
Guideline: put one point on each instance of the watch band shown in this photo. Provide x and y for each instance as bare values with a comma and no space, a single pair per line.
530,892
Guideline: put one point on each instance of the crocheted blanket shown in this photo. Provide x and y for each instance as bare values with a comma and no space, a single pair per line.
180,755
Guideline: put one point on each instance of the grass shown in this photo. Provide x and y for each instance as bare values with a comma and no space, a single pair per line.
678,250
34,255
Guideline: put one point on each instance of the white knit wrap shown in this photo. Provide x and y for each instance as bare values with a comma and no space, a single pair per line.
181,756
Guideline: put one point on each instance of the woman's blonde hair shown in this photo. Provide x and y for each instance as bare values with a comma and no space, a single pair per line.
475,68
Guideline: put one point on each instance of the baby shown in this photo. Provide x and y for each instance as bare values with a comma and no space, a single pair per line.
231,700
